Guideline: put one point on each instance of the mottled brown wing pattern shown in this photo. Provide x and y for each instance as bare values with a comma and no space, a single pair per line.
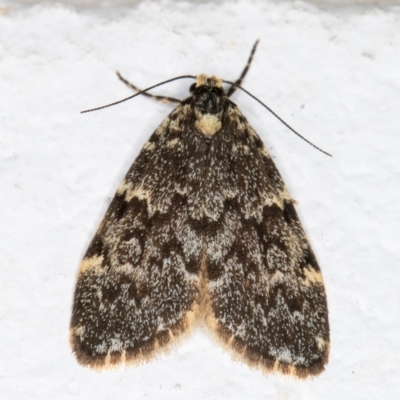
202,229
139,281
267,300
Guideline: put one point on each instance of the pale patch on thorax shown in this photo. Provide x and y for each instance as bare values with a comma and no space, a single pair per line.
208,124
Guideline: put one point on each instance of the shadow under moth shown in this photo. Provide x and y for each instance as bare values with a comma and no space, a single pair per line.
202,231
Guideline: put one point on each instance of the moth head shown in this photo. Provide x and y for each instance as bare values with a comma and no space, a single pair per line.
208,95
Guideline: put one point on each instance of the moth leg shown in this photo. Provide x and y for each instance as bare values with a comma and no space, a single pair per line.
164,99
233,88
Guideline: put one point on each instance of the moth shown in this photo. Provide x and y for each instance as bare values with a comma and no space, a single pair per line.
202,230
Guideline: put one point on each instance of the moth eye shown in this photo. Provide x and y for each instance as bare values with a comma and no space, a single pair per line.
192,87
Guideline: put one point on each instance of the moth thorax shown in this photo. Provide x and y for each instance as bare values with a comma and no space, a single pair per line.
208,102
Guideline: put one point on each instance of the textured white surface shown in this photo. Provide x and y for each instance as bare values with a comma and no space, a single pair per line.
330,72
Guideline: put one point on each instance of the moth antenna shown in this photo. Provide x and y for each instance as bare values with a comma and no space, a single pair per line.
140,92
238,82
163,99
278,117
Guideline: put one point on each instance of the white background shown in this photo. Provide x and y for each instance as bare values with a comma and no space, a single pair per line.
331,70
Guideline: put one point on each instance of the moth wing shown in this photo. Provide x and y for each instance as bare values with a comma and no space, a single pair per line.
265,291
138,282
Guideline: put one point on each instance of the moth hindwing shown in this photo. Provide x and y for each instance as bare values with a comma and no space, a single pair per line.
202,229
